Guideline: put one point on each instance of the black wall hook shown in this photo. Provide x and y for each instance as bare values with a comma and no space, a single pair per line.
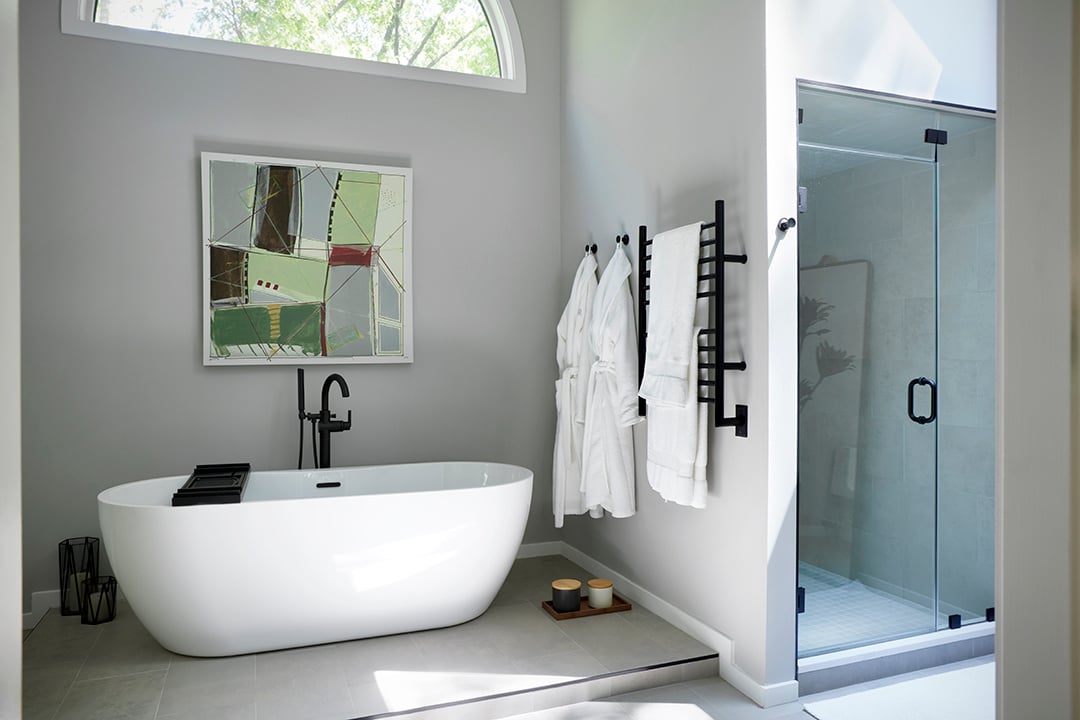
590,248
624,239
785,224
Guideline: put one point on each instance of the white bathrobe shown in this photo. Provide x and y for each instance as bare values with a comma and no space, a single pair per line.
607,475
574,356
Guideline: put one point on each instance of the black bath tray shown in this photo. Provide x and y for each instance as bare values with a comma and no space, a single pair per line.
214,484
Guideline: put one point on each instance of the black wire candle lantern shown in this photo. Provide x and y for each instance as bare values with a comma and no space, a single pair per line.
99,600
78,563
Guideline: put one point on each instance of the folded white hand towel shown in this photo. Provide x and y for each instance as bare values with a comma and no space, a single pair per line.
672,297
677,446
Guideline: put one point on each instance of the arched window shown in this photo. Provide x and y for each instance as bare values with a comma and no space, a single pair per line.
469,42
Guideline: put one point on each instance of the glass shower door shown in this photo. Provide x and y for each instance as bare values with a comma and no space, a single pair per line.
867,376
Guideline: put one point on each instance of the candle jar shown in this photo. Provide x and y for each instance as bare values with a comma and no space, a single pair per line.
566,595
99,600
78,563
600,593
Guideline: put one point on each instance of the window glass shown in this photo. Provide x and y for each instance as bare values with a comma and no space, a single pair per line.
450,35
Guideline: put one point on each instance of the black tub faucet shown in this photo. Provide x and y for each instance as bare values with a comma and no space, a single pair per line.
326,423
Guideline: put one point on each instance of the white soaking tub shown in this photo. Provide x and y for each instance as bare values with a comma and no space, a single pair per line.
394,548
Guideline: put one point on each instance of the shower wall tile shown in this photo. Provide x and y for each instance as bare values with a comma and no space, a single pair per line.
968,185
903,267
879,452
966,460
918,203
967,326
918,580
918,336
919,457
958,387
958,257
986,257
876,560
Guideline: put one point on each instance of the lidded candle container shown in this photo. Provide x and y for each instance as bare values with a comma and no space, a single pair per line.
566,595
600,593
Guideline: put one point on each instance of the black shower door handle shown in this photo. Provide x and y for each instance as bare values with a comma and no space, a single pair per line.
921,419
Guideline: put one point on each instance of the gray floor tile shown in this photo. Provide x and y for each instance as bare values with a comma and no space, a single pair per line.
360,660
522,630
209,684
116,670
44,688
124,650
615,642
130,697
227,711
561,666
307,695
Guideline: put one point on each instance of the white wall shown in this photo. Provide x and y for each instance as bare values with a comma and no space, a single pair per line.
10,477
1034,564
942,51
664,113
114,386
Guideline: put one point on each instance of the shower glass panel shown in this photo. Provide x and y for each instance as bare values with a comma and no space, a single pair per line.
896,300
966,367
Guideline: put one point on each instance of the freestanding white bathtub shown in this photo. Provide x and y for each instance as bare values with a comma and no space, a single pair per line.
395,548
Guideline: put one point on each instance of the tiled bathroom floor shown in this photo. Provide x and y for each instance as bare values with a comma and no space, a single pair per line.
116,670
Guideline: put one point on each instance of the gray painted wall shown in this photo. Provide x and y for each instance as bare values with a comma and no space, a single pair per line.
114,388
10,486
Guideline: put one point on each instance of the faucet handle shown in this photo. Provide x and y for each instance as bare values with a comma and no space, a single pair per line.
348,421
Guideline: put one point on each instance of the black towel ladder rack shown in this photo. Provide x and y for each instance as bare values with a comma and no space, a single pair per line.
715,293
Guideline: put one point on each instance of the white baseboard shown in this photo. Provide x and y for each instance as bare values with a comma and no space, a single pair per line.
763,695
40,602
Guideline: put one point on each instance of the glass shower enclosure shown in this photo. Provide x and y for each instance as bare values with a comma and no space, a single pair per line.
897,306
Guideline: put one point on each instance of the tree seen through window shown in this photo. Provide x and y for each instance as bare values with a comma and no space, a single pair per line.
450,35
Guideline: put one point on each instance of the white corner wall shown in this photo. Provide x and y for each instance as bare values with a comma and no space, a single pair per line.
10,473
664,112
1035,567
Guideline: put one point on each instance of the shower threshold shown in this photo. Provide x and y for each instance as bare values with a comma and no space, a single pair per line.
840,668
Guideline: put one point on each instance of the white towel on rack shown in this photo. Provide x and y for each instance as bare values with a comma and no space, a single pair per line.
672,297
677,445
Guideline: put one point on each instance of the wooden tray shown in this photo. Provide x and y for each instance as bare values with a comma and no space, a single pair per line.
617,605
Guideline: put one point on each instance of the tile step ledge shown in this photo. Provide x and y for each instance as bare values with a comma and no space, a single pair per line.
573,691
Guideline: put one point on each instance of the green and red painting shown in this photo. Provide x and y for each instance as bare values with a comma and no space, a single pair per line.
305,261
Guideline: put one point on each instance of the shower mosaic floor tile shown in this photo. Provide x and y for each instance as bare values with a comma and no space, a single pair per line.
117,670
842,612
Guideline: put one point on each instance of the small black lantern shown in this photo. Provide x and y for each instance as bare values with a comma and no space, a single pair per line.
78,563
99,600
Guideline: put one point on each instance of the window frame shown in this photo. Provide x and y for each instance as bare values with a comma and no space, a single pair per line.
76,18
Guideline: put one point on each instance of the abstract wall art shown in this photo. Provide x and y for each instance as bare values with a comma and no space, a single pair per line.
305,261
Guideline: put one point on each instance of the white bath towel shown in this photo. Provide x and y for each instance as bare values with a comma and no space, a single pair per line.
672,296
677,445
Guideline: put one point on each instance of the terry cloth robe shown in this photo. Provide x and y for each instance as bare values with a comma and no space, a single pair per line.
607,474
672,301
574,356
677,447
